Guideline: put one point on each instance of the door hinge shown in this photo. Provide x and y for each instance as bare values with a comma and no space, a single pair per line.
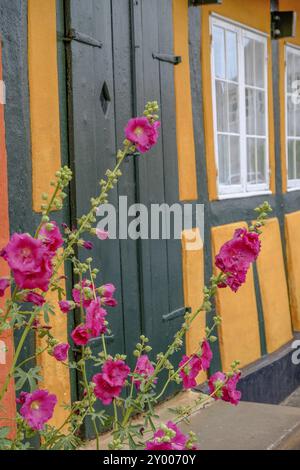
171,59
74,35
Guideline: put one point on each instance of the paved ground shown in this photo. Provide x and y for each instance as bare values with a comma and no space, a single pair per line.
293,400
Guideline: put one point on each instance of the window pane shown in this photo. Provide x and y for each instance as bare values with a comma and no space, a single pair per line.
261,160
249,61
298,160
231,56
297,67
219,52
259,64
224,164
251,161
260,113
233,99
290,70
222,106
297,119
250,111
291,147
235,168
290,116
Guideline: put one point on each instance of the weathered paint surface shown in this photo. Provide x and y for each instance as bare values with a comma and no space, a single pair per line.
273,287
184,114
193,277
285,5
46,159
292,228
6,339
44,101
255,14
239,332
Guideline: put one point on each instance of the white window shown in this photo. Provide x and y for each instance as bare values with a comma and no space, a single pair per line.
293,116
239,73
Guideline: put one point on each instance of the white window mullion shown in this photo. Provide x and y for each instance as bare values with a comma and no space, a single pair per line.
242,97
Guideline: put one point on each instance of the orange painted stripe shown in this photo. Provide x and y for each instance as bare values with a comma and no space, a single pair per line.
8,411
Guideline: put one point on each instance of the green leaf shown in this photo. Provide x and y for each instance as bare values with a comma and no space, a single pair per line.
31,376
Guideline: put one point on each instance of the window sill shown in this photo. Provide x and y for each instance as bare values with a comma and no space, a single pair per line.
221,197
291,190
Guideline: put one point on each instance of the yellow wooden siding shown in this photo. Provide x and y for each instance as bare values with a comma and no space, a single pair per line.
239,332
193,278
255,14
184,112
273,287
292,230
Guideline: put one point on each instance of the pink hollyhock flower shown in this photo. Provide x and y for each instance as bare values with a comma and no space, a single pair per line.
228,390
142,134
109,301
40,279
108,290
115,372
104,391
102,234
4,284
88,245
168,437
144,368
190,371
60,352
65,306
36,299
38,408
51,237
95,319
80,335
236,256
80,296
206,355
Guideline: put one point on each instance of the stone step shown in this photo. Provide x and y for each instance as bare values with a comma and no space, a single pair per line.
248,426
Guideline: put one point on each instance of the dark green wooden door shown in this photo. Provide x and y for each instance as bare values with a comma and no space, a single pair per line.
111,75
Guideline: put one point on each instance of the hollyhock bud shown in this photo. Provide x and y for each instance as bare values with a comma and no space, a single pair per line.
80,335
51,237
109,301
60,352
236,256
88,245
144,368
21,398
35,298
38,408
168,437
83,294
102,234
66,306
4,284
142,133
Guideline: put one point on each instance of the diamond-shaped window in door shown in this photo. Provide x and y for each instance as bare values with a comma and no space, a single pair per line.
105,98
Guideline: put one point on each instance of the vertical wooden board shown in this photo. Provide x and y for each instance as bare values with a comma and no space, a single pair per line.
184,112
239,331
44,96
193,275
161,264
8,405
292,227
271,272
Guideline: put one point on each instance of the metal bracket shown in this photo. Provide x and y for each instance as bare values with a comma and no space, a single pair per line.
283,24
206,2
171,59
176,313
74,35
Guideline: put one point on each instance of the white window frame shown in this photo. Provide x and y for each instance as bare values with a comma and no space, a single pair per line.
244,189
294,184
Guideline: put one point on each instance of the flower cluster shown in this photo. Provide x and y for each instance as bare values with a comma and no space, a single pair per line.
109,383
169,437
225,388
236,256
190,366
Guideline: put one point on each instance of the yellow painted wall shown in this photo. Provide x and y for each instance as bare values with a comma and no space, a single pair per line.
256,14
293,5
44,95
184,112
239,332
273,287
292,230
46,159
193,278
